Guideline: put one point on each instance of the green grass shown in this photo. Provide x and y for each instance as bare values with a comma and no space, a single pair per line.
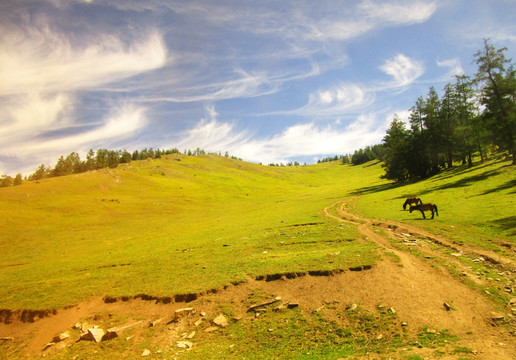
476,205
167,226
182,225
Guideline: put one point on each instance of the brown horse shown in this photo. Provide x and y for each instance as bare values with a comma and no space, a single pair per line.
411,200
425,207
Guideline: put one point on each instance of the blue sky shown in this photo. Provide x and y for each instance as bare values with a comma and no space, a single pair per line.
267,81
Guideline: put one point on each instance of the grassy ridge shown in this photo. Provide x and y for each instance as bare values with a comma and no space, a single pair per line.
171,226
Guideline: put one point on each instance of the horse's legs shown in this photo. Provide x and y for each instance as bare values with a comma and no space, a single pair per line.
432,213
422,212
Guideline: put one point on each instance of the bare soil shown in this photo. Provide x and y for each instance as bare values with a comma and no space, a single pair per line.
415,283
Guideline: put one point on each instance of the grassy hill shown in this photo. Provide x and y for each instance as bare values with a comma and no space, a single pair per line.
175,225
183,225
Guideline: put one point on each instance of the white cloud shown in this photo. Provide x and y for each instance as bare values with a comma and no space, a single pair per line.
123,122
308,139
339,100
454,66
403,69
399,12
44,60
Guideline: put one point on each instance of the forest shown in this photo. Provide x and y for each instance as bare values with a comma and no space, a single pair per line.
475,116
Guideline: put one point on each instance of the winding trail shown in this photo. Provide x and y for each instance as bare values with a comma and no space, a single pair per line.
421,282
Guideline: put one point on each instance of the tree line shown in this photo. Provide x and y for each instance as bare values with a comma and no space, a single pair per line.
95,160
474,116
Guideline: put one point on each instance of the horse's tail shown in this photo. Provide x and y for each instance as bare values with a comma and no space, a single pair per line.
435,206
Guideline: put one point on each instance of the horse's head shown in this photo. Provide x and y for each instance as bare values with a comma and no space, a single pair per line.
412,208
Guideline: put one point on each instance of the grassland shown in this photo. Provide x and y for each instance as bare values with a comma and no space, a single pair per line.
183,225
175,225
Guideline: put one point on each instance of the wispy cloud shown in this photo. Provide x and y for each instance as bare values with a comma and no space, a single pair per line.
399,12
403,69
306,139
454,67
45,60
336,101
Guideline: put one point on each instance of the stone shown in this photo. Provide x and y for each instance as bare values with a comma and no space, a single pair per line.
117,330
221,321
61,337
497,317
379,337
392,310
447,306
261,305
352,307
50,344
96,334
155,322
184,344
292,305
191,335
146,352
198,322
179,313
211,329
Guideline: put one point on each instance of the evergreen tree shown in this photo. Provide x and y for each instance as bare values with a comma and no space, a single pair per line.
397,148
497,76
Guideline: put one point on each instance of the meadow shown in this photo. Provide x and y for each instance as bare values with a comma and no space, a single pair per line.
192,224
176,225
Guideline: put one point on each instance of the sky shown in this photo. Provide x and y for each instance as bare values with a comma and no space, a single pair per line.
266,81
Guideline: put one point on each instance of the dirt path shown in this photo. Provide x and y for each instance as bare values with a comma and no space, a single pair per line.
420,285
413,278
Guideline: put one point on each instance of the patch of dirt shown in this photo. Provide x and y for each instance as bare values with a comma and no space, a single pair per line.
409,283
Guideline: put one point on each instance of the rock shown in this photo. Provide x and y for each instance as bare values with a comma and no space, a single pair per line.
6,338
221,321
292,305
211,329
61,337
497,317
352,307
155,322
117,330
184,344
198,322
202,314
96,334
179,313
447,306
261,305
50,344
146,352
379,337
191,335
392,310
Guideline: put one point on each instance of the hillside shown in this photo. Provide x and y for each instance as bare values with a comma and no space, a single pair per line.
221,235
68,238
